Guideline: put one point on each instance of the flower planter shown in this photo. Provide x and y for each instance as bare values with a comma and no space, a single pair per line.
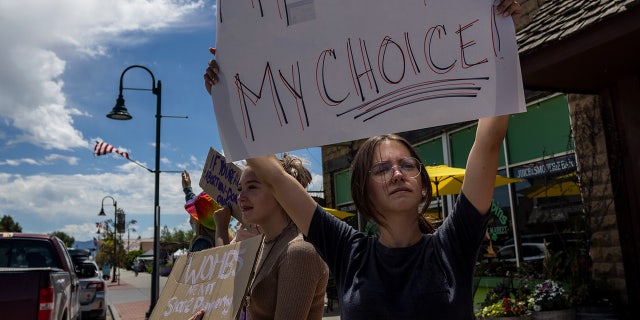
566,314
506,318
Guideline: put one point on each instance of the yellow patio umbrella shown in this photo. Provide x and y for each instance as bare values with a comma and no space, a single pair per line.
562,186
454,186
442,174
439,175
339,214
447,180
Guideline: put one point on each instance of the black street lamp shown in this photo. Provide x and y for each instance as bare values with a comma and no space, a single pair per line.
120,112
115,222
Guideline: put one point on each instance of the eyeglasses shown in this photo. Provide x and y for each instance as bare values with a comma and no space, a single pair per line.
383,171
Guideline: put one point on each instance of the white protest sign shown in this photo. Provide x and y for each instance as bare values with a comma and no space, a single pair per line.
301,73
220,180
215,279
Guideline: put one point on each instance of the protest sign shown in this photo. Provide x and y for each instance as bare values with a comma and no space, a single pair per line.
220,180
215,279
301,73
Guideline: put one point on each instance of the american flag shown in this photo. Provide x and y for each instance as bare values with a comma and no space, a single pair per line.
102,148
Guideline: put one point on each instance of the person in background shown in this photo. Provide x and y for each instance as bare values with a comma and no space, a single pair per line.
105,271
410,271
198,206
291,278
136,267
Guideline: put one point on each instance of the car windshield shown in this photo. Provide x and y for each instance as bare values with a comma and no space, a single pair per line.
87,270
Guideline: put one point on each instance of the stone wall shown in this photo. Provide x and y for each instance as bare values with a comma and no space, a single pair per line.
597,189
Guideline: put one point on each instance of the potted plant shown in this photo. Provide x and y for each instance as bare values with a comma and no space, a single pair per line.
551,302
507,308
505,302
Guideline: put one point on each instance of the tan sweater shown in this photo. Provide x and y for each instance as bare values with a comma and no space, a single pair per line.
292,282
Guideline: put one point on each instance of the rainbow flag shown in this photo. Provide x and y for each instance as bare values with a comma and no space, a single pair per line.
202,208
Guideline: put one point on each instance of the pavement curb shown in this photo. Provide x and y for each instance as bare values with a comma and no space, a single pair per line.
114,313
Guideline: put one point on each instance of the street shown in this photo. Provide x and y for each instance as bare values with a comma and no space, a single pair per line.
129,300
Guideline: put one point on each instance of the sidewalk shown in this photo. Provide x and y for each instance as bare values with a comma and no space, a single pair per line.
130,300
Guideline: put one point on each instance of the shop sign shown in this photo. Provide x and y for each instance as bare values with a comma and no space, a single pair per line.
540,168
500,226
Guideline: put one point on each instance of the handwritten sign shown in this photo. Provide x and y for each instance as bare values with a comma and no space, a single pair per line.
220,180
215,279
301,73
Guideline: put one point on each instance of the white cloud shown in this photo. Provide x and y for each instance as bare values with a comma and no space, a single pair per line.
37,38
17,162
54,158
80,232
52,201
316,183
48,160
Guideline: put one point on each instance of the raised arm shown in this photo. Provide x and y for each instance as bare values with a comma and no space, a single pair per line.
295,200
482,164
222,218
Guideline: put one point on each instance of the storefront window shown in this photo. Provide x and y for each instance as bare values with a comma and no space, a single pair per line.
550,198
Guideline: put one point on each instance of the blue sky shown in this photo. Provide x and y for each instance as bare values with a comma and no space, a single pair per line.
60,66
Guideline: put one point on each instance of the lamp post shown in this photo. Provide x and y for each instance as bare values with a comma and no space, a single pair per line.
120,112
115,221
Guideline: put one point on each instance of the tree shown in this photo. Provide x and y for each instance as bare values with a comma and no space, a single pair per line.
8,225
105,253
176,236
67,239
130,257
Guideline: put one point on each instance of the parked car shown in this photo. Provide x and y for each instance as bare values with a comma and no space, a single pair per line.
37,278
79,255
93,291
531,252
555,241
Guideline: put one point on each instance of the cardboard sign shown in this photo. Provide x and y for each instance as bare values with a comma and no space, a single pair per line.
305,73
220,180
215,279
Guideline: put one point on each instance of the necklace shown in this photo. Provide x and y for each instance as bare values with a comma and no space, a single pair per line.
275,242
264,261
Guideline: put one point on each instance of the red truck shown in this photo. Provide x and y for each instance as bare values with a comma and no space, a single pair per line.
37,278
